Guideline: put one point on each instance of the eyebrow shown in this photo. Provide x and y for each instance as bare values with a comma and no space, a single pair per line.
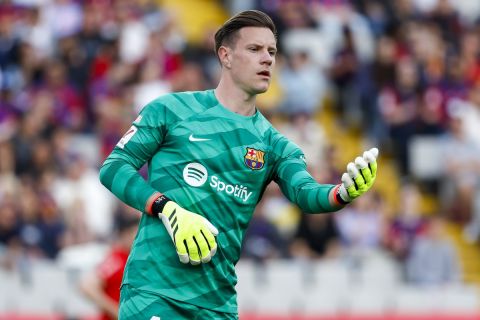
270,47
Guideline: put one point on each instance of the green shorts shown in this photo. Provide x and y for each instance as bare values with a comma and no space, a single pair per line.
141,305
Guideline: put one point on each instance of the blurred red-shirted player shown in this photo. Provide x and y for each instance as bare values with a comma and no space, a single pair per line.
102,286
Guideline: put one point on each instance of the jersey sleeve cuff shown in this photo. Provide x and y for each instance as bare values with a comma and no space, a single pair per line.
150,201
335,199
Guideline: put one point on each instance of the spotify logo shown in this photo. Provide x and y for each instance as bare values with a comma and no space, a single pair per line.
195,174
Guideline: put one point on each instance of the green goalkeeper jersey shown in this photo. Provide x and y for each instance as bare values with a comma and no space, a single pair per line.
210,161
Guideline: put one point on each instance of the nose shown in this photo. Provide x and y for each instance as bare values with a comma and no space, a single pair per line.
267,58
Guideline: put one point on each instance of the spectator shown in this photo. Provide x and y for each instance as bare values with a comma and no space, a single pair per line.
362,226
398,106
41,228
307,134
469,112
433,261
71,67
461,175
9,226
150,84
81,197
316,238
345,74
102,286
37,33
303,84
407,225
133,36
281,213
263,241
10,77
64,17
8,180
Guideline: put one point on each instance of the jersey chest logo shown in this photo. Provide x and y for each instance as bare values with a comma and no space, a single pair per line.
254,159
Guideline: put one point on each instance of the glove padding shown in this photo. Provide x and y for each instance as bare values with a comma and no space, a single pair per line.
360,176
192,234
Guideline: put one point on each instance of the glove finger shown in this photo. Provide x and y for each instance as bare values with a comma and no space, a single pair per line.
183,258
212,243
374,152
369,157
373,169
211,227
347,180
360,182
372,161
203,247
349,185
343,192
352,170
362,165
367,176
193,251
194,262
213,251
206,258
180,245
181,249
355,174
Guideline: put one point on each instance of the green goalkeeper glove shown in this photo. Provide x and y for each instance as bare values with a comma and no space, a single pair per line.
192,234
359,177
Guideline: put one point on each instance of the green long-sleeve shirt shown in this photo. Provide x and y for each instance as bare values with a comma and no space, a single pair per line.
210,161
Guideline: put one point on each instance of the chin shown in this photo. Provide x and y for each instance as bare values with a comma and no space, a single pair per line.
261,89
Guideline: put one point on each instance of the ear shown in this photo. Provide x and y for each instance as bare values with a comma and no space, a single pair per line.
225,54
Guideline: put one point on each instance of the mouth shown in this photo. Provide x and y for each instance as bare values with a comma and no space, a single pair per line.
264,73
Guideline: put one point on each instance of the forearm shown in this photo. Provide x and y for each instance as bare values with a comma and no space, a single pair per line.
124,181
92,289
300,187
316,198
310,196
103,302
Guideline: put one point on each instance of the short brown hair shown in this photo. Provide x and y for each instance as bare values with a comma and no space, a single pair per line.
248,18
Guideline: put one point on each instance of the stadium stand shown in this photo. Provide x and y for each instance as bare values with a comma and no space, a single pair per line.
74,74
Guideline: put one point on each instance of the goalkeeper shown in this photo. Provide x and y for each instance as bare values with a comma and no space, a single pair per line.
210,156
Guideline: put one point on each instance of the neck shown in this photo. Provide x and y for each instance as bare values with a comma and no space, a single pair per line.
235,99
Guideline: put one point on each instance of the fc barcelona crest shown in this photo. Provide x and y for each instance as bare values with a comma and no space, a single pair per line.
254,159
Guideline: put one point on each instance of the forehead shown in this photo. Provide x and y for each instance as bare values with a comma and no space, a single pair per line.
256,35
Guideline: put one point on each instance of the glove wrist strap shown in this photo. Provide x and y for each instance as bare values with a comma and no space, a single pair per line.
338,197
159,204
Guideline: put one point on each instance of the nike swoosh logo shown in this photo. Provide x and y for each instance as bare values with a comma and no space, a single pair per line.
193,139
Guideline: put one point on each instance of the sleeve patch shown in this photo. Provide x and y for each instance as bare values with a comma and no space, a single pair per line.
127,136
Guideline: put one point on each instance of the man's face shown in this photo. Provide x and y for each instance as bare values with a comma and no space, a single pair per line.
252,58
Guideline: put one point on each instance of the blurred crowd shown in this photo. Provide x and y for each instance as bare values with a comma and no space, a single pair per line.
74,74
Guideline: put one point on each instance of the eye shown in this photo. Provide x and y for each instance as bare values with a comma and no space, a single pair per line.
253,49
272,53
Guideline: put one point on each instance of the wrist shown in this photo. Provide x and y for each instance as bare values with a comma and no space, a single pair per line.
159,204
337,195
